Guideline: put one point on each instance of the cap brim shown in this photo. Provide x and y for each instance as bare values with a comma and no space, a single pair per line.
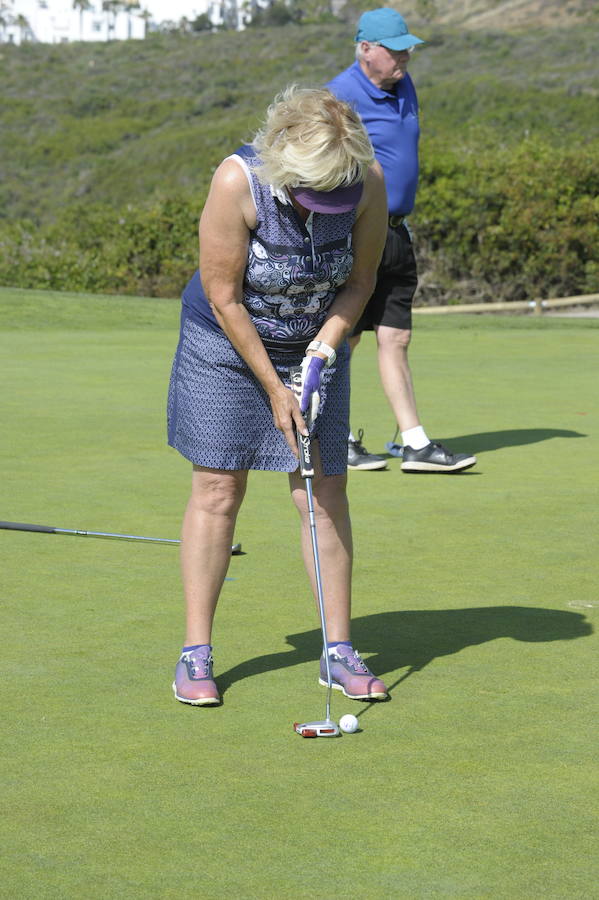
401,42
341,200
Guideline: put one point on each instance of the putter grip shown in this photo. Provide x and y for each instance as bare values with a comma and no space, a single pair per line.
22,526
304,443
305,455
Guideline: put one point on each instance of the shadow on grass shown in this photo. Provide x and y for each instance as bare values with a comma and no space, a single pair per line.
497,440
414,638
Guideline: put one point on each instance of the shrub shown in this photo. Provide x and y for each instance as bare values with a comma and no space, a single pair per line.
509,224
150,251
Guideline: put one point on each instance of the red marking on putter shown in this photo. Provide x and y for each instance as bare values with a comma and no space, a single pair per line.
305,732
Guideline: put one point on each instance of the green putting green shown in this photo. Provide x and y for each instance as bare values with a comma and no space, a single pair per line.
475,599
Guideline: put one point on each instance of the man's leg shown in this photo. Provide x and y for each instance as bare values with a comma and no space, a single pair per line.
396,377
418,452
392,319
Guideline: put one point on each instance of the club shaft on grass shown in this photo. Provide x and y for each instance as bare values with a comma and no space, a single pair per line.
107,535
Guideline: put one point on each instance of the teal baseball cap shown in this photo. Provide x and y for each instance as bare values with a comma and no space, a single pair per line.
387,27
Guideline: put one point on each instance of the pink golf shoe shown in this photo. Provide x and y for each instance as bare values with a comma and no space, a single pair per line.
193,682
351,675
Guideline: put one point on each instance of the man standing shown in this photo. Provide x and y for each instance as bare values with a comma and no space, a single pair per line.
379,87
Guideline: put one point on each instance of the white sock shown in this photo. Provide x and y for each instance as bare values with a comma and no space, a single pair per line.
415,438
351,436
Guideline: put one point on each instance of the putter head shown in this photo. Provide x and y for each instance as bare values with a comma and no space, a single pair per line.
323,728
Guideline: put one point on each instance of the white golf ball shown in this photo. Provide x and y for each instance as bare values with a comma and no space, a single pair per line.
348,723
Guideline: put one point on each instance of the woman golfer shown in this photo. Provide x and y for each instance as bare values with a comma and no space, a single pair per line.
290,239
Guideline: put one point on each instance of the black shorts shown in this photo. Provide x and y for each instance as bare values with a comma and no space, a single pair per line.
396,282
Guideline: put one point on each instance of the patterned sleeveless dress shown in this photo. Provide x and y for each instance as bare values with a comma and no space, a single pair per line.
219,416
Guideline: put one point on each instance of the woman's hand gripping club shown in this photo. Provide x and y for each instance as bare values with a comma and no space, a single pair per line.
305,383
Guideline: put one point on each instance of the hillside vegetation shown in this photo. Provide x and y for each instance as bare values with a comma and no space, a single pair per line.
501,15
108,149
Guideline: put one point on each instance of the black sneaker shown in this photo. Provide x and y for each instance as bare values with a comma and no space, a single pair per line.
358,456
435,458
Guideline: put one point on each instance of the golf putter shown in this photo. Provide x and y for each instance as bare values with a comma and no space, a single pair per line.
322,727
110,535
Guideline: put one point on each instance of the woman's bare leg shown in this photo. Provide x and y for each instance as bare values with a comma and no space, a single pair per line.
206,539
335,549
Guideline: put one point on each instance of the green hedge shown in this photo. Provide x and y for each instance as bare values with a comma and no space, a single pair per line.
145,251
508,224
493,224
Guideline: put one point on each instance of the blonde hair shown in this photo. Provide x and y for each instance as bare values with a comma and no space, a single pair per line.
312,139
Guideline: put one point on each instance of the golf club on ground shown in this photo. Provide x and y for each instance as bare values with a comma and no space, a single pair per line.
323,727
46,529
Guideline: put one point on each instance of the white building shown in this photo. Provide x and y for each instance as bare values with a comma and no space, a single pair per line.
62,21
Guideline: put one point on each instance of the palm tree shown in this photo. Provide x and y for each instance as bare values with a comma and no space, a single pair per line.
24,27
146,15
111,8
82,6
129,7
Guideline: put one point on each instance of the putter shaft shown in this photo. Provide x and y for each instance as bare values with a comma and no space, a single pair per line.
325,641
306,467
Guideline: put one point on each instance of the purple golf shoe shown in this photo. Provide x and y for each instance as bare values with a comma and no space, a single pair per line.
351,675
193,678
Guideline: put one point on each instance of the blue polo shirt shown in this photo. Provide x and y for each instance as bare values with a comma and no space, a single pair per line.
391,120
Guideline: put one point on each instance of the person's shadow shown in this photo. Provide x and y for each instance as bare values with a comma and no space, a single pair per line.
514,437
414,638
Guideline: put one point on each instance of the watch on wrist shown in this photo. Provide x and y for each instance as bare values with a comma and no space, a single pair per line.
321,347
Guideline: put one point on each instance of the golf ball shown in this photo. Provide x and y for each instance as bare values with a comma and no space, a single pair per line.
348,723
